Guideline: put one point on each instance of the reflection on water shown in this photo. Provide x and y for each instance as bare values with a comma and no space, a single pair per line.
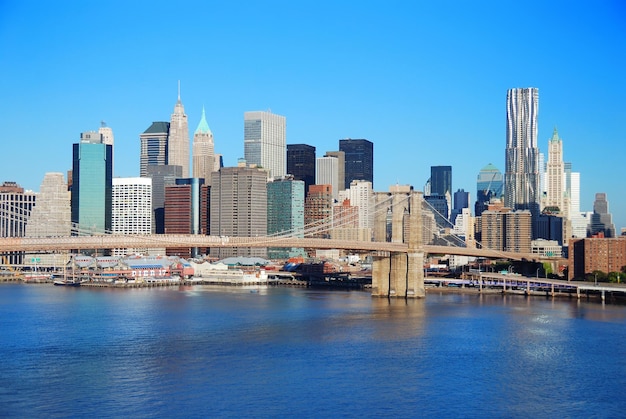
218,351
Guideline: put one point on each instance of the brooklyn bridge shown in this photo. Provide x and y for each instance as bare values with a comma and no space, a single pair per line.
398,259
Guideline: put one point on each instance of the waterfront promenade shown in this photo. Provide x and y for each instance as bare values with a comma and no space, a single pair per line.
483,282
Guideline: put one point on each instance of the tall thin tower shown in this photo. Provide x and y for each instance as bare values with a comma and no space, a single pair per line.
521,178
178,143
203,151
555,174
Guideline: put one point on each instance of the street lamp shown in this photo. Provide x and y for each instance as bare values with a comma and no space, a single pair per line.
596,279
537,274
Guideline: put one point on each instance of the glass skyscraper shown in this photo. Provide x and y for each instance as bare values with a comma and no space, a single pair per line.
488,185
92,184
359,160
285,214
440,180
301,163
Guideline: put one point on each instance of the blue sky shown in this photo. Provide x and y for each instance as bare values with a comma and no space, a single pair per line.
426,82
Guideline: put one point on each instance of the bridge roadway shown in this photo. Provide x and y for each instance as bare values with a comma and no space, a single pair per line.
112,241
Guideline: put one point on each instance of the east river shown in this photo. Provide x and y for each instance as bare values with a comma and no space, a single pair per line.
230,352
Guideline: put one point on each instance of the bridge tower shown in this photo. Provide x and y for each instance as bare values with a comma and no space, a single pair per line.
399,275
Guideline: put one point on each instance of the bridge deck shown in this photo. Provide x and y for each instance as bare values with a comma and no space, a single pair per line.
113,241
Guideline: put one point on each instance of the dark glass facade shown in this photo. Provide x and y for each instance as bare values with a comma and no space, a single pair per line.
440,180
359,160
301,163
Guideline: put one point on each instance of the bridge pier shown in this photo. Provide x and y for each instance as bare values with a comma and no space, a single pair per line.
401,275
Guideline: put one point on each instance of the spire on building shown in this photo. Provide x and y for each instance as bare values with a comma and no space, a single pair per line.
203,126
555,135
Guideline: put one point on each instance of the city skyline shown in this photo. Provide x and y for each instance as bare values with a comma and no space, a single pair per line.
420,81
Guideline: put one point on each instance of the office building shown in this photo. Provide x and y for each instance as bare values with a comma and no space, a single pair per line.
162,176
15,209
265,142
327,173
341,169
601,219
318,211
108,138
131,209
461,201
346,223
285,214
51,215
441,180
521,177
154,149
92,184
301,163
359,154
438,205
238,208
187,212
16,206
178,140
488,186
361,195
580,222
203,151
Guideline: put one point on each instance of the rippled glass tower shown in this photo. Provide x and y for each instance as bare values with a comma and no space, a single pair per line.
521,178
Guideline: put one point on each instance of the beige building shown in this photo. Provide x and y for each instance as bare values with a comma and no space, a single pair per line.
203,153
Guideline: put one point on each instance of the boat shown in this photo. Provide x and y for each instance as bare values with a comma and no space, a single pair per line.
221,274
67,282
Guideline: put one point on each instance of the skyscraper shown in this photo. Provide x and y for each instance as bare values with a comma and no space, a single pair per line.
440,180
285,214
318,211
555,175
521,177
341,169
301,163
238,208
359,160
488,186
327,173
265,141
203,151
154,147
178,141
601,220
461,201
15,210
51,214
186,212
131,209
92,183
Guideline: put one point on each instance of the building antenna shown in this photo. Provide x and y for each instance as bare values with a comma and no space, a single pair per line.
179,90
